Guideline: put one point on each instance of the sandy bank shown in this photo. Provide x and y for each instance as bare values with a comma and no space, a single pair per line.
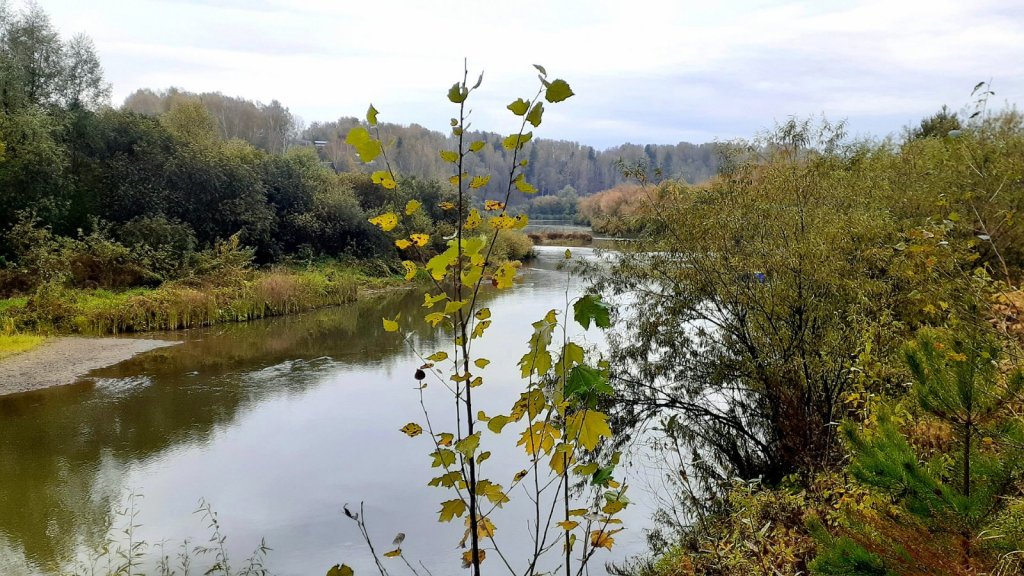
63,360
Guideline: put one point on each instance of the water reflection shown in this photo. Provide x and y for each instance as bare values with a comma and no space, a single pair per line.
277,423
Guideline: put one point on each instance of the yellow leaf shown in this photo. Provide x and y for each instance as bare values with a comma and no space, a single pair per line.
481,457
613,507
445,439
387,221
539,438
402,244
451,509
479,182
474,220
438,356
410,269
502,222
434,318
529,403
468,445
391,325
483,314
519,475
561,458
454,306
429,301
411,207
493,205
467,557
389,183
484,527
478,381
492,492
578,512
481,362
504,275
478,330
568,525
588,427
411,429
419,239
449,156
446,206
602,539
394,553
496,423
340,570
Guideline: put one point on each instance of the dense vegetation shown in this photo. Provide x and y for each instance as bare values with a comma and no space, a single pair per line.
818,281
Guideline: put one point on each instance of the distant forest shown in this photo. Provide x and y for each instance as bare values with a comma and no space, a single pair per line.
553,164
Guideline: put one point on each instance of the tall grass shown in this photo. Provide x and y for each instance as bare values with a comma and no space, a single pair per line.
183,304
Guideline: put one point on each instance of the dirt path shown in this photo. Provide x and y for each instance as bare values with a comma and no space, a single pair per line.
63,360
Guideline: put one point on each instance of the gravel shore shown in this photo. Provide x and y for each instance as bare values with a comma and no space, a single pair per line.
61,361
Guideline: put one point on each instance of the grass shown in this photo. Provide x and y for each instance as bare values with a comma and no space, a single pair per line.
233,296
18,343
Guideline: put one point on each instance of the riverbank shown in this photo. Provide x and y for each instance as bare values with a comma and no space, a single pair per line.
231,295
60,361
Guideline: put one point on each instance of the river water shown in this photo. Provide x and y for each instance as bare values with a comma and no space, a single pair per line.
276,424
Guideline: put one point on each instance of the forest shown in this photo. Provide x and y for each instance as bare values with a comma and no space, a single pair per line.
828,350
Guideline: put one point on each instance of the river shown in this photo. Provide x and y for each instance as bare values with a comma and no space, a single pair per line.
276,424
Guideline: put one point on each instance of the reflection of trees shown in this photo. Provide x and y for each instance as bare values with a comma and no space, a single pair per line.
62,450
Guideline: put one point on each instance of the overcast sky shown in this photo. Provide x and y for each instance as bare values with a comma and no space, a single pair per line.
643,71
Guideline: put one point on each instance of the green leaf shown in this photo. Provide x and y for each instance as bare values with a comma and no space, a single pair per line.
519,107
341,570
602,476
558,91
457,94
479,81
535,114
541,69
591,308
584,381
371,116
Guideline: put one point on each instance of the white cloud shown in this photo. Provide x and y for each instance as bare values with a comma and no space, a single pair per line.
644,71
